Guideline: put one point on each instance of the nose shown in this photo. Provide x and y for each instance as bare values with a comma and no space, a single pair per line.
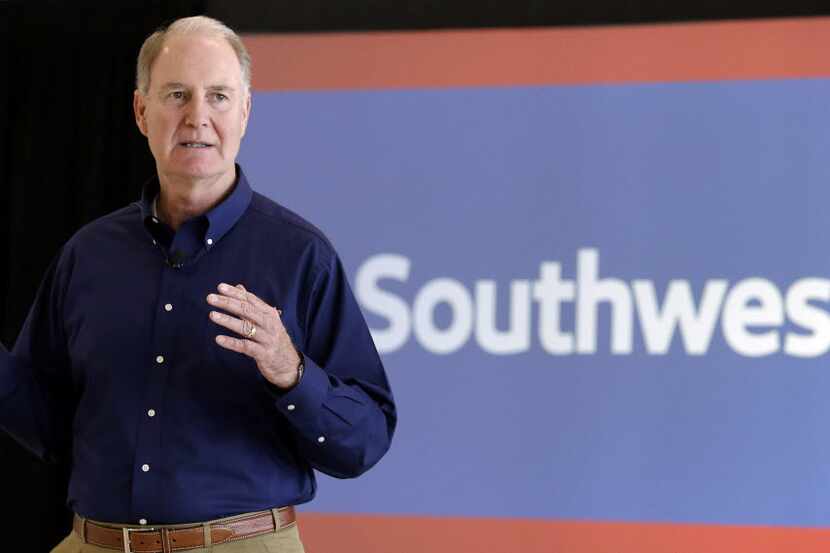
197,113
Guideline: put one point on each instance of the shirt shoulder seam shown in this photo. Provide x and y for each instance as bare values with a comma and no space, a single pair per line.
308,228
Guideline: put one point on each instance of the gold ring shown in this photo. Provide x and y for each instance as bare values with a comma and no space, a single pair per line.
250,334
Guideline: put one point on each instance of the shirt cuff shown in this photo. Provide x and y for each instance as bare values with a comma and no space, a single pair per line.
301,403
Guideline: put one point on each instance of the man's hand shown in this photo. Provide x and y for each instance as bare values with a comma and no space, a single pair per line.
263,336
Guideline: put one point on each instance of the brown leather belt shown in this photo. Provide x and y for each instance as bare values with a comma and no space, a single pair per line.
170,538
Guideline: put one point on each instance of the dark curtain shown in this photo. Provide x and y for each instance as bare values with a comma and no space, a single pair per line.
379,15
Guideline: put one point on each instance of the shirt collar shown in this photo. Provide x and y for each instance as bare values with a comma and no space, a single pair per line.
221,218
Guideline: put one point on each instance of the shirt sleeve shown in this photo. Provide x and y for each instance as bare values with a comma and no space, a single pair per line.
35,386
342,411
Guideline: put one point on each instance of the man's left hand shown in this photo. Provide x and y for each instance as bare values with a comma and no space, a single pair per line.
262,334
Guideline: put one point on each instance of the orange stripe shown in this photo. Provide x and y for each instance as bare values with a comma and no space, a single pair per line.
784,48
322,533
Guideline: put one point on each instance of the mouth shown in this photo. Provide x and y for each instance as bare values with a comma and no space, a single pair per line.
195,145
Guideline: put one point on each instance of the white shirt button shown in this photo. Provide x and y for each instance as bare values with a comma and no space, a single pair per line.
160,359
145,468
151,413
155,220
143,521
209,241
154,242
321,439
291,407
168,307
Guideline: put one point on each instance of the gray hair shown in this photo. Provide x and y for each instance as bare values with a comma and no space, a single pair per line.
198,24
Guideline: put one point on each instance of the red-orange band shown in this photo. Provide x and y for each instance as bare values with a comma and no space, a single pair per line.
382,534
763,49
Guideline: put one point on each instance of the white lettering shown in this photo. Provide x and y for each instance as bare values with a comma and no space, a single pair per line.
590,292
767,310
696,325
453,293
808,316
752,312
383,303
517,337
550,291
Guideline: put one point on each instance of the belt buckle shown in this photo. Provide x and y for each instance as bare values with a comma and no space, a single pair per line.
126,534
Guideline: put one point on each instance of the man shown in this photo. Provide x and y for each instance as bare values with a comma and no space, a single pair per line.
196,354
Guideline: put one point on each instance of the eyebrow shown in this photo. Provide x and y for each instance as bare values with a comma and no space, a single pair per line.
212,88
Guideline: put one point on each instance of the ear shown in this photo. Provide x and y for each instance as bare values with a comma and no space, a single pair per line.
140,108
246,111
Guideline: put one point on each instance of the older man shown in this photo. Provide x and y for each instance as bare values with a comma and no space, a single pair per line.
196,354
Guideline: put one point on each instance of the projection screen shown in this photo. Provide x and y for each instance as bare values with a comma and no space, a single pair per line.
592,261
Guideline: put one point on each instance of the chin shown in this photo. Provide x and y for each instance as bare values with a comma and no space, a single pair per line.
200,170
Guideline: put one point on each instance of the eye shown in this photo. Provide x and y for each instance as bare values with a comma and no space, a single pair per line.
219,97
176,95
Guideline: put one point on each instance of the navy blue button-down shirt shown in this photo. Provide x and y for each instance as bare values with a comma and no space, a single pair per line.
117,371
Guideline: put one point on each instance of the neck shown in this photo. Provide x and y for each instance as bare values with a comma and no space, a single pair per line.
182,199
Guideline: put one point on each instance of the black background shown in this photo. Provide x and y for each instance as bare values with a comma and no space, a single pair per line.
70,151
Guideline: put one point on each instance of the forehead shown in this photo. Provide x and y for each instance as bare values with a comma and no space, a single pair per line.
196,60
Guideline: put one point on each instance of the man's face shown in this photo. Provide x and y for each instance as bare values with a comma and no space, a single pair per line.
196,109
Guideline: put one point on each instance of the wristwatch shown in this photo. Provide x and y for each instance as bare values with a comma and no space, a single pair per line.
300,367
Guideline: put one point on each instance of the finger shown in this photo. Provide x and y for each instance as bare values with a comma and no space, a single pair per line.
256,300
246,347
231,291
246,295
240,308
241,327
250,296
239,292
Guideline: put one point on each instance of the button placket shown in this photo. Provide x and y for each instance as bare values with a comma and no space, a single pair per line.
147,486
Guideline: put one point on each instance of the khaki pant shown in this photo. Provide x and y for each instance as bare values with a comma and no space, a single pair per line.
285,540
